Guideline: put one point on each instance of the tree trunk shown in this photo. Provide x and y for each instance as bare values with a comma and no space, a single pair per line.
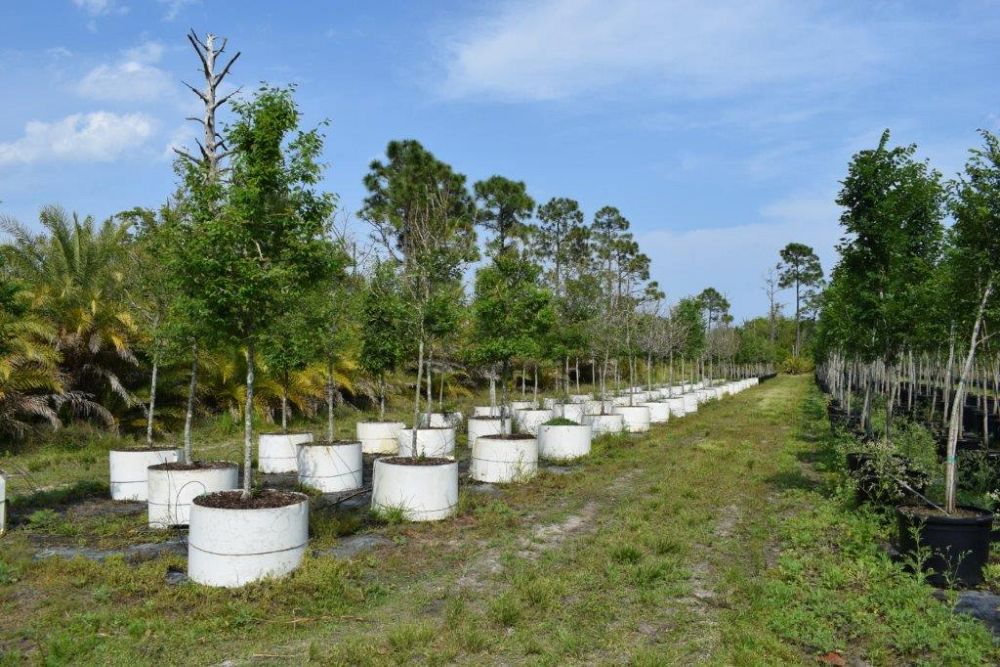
957,409
566,367
430,385
284,407
441,392
649,372
381,397
947,376
189,412
535,398
798,340
152,398
248,424
416,394
330,394
505,412
493,390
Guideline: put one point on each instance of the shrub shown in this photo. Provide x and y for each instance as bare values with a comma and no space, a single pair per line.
797,365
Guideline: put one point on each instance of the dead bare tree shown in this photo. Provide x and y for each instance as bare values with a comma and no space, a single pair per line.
213,151
212,147
773,308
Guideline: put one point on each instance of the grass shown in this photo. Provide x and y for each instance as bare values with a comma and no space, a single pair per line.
720,538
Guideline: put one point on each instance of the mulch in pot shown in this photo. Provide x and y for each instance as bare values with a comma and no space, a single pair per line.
195,465
329,443
143,448
264,499
418,461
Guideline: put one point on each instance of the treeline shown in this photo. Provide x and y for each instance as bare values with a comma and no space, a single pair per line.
241,297
144,320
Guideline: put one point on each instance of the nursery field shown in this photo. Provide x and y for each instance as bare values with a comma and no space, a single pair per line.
725,537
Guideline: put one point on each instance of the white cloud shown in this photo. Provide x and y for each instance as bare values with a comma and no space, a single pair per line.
94,7
100,136
182,137
733,259
133,78
556,49
174,7
101,7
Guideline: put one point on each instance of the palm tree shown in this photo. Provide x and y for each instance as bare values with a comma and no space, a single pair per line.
74,272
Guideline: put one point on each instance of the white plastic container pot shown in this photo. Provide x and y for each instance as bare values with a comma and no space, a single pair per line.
572,411
594,407
486,411
232,547
480,426
426,490
431,442
605,423
501,459
174,486
659,412
330,467
379,437
441,420
564,442
129,476
579,398
720,393
690,402
620,400
276,452
521,405
549,403
677,408
635,418
529,420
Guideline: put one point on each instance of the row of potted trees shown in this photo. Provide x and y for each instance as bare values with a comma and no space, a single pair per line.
231,546
903,466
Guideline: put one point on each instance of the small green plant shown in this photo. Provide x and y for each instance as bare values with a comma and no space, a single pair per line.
507,609
991,576
917,559
391,516
46,520
561,421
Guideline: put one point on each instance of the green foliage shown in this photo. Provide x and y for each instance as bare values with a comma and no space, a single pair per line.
511,312
797,365
561,241
882,294
385,336
689,315
800,268
973,257
266,242
503,206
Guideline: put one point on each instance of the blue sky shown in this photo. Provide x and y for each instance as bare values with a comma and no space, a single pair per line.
720,129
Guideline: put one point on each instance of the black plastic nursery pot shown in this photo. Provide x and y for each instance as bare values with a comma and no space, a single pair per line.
959,545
